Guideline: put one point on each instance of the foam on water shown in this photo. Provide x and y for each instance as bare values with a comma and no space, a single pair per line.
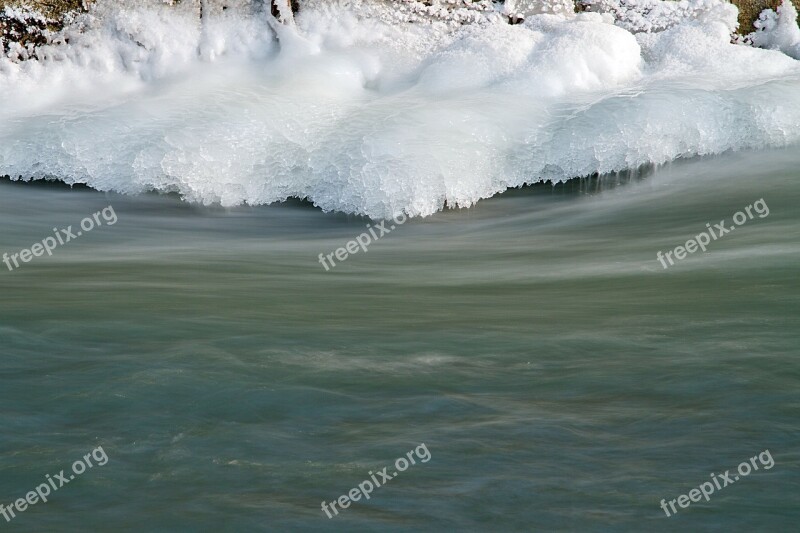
363,116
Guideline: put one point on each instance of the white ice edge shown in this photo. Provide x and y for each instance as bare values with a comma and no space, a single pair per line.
366,115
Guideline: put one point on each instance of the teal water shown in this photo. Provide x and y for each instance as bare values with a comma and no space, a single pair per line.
561,379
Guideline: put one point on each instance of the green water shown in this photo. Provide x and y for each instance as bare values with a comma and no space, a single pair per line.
561,379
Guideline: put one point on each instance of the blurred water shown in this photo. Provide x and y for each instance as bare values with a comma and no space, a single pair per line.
560,377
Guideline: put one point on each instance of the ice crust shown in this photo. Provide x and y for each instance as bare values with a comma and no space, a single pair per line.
366,115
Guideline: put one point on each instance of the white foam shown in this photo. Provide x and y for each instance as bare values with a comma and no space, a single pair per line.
367,117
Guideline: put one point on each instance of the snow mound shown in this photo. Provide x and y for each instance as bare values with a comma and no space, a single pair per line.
366,116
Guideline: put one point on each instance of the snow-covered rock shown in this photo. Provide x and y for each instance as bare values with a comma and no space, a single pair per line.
778,30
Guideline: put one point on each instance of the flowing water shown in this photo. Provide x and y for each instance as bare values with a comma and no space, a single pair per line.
560,377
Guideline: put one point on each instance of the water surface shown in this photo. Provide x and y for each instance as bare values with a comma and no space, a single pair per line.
560,377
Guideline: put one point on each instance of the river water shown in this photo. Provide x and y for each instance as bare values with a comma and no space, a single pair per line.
559,375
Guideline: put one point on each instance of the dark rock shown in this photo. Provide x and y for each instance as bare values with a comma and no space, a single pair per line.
749,10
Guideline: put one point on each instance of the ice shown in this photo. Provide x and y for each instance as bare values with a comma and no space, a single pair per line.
364,114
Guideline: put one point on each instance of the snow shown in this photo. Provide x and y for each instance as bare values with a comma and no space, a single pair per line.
362,113
778,31
646,16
